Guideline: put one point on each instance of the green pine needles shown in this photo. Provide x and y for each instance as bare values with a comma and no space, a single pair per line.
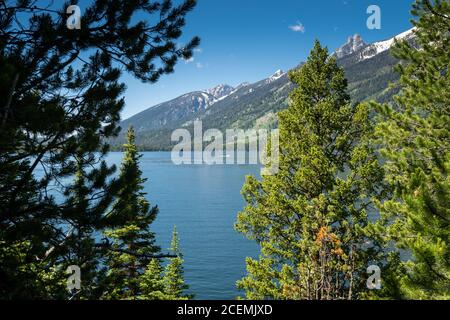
414,138
134,269
356,190
311,218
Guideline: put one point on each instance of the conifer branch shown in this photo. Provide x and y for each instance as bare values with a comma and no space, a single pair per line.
108,246
430,7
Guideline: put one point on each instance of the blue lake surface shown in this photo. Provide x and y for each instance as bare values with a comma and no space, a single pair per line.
203,202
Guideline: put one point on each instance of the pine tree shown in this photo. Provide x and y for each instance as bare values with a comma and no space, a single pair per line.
151,283
61,97
132,243
84,220
310,219
415,143
37,280
174,283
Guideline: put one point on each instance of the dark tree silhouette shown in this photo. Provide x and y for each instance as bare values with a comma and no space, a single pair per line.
60,98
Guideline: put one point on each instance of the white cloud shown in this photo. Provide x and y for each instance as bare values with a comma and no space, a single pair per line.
199,65
199,50
191,59
298,27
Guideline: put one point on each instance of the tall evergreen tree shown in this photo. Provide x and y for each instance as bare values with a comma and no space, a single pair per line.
415,143
310,219
60,98
84,218
133,244
174,283
151,283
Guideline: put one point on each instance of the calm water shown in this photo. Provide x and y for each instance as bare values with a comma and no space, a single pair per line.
202,201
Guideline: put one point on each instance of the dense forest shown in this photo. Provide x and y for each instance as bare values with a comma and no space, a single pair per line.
251,105
361,185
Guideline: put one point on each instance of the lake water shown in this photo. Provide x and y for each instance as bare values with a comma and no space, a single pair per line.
203,202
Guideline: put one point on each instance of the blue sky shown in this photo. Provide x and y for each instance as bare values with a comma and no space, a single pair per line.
248,40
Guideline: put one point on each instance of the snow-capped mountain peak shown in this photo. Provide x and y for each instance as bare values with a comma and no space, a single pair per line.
220,91
277,75
353,44
381,46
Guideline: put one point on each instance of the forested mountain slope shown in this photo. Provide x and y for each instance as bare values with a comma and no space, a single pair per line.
368,68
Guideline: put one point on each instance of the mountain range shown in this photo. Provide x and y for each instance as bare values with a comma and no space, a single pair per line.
368,68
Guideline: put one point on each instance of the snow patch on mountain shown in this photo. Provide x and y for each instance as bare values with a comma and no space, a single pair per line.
220,91
277,75
381,46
